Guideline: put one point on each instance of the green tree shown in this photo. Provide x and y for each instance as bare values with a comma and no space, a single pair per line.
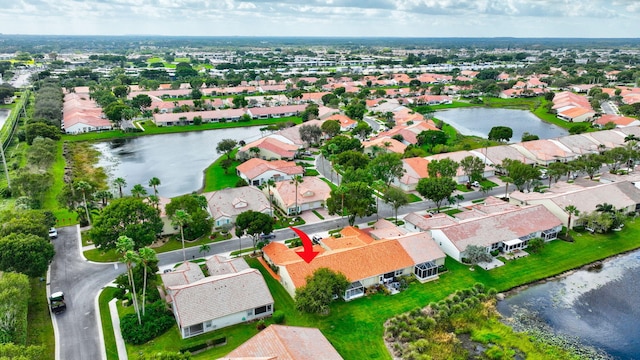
556,170
146,257
472,167
141,102
362,130
431,138
196,206
40,129
138,191
154,182
396,198
320,290
104,196
536,245
120,183
386,167
354,199
356,109
253,223
522,175
352,159
115,111
311,134
34,222
436,189
500,133
341,143
181,218
330,127
130,217
475,254
124,245
239,102
25,253
446,168
84,188
529,137
14,301
226,146
572,210
165,356
296,180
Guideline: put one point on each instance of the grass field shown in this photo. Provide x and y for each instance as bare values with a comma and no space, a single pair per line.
215,177
107,327
40,328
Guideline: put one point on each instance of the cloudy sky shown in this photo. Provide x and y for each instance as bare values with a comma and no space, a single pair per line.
397,18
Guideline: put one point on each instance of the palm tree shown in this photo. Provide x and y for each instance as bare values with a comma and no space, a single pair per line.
155,201
571,210
296,180
104,196
84,187
507,180
205,248
124,246
181,218
147,255
154,182
605,208
120,183
138,190
270,184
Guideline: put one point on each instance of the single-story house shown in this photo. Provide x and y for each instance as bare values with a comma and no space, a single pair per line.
505,231
312,193
81,114
346,123
275,111
545,152
271,147
619,121
496,155
362,259
577,114
186,118
257,171
622,195
458,156
414,169
285,342
225,205
383,145
202,304
578,144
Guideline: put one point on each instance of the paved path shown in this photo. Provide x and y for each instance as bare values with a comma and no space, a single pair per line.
115,321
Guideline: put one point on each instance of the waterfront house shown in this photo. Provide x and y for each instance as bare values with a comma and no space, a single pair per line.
225,205
257,171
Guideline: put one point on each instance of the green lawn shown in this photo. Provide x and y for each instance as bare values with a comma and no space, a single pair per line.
215,177
107,327
331,185
63,215
413,197
40,328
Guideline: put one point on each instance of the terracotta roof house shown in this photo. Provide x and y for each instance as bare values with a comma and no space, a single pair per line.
271,147
383,144
505,231
622,195
275,111
414,169
577,114
346,123
578,144
312,193
496,155
619,121
257,171
186,118
218,301
225,205
279,342
545,152
81,114
363,260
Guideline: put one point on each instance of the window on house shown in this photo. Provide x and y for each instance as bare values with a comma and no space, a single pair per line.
399,272
261,309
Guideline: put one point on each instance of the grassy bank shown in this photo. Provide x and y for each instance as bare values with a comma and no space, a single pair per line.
107,327
40,328
215,178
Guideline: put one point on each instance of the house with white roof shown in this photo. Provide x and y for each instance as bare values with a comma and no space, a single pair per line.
201,304
225,205
257,171
544,152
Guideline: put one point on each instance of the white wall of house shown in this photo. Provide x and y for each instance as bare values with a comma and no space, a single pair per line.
167,227
264,177
80,128
231,319
445,244
223,220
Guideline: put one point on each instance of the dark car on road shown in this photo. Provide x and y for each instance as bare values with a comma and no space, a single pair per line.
267,236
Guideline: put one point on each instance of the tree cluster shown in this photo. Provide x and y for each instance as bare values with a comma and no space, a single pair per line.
320,290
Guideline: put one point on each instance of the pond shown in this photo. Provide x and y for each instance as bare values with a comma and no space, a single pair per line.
178,160
598,306
4,115
479,121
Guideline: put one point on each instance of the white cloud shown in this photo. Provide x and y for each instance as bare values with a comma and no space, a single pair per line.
417,18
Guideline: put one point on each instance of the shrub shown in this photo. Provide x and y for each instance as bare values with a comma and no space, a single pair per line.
261,325
155,322
278,317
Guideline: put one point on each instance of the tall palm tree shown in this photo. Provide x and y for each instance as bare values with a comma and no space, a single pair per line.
124,246
84,187
297,180
120,183
571,210
507,180
147,255
104,196
155,201
138,191
154,182
270,184
181,218
605,208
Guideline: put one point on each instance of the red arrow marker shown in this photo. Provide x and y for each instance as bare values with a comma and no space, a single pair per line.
308,254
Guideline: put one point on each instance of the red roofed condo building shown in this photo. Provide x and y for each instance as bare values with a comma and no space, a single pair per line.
257,171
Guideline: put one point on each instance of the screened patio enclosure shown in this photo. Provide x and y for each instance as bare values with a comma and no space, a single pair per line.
426,270
354,291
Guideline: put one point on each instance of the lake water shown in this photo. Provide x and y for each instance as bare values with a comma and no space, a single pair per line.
600,307
4,114
479,121
178,160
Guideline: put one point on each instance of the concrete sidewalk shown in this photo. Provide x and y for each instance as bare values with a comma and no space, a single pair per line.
115,321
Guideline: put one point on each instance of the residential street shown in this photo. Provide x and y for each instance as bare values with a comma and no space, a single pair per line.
78,333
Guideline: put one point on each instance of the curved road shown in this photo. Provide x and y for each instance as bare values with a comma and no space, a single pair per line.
78,330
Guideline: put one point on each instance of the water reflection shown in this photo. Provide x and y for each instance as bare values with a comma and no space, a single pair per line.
600,307
479,121
178,160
